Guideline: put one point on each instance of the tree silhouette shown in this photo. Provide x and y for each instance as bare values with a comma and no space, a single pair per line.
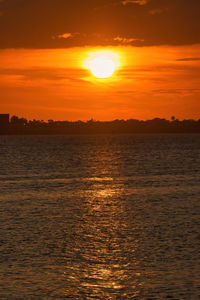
157,125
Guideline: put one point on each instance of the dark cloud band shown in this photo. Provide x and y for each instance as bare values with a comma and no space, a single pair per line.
61,23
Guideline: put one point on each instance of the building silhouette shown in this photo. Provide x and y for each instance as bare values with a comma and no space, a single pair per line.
4,123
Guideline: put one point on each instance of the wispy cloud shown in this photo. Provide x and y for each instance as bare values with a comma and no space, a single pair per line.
65,35
140,2
176,91
188,59
157,11
124,40
49,74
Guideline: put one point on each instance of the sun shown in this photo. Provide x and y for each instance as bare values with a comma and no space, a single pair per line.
102,64
102,67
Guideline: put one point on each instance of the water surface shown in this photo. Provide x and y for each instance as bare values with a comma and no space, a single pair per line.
100,217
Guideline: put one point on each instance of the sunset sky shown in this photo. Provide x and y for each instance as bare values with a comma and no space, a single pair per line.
44,43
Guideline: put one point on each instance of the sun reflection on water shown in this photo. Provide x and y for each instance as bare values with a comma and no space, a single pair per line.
102,255
102,263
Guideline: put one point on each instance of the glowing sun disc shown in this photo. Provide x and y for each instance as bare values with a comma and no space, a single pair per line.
102,64
102,67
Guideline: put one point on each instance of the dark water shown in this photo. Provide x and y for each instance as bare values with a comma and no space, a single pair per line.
100,217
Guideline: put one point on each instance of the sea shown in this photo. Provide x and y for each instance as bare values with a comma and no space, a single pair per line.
100,217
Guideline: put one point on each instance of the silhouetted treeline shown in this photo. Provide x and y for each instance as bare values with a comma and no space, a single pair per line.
157,125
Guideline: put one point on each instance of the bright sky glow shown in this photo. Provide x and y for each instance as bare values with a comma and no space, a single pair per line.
58,84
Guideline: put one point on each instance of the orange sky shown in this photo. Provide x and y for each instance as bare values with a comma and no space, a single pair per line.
158,81
43,45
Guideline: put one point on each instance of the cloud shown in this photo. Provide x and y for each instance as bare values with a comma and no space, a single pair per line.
176,91
188,59
66,35
54,23
47,74
157,11
123,40
140,2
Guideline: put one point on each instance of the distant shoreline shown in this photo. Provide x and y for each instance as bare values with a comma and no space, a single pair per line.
22,126
99,134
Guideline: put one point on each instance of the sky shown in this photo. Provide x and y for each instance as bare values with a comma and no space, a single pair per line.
43,44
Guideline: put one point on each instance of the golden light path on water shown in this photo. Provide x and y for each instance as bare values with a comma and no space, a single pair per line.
103,256
103,253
